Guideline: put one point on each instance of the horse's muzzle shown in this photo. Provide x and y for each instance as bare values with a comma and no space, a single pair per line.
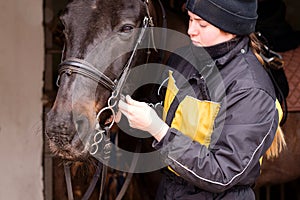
67,139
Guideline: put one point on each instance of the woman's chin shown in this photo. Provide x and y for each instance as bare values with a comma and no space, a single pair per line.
197,44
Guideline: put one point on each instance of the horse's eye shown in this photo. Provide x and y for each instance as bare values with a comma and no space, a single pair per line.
126,28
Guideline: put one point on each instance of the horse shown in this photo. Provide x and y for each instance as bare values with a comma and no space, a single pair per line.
101,40
97,32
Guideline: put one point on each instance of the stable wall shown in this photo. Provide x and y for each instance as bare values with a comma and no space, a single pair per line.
21,81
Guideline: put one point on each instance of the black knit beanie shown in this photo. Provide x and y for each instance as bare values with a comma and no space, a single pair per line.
233,16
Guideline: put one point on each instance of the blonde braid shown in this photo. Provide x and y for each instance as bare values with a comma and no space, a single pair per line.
256,47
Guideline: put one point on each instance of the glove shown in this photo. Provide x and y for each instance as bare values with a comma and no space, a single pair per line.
141,116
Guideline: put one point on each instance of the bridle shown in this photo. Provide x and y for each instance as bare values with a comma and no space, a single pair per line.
84,68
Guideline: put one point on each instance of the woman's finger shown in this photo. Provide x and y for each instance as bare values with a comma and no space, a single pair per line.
118,116
133,102
124,108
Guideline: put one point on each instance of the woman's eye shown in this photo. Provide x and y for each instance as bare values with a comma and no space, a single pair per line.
126,29
203,23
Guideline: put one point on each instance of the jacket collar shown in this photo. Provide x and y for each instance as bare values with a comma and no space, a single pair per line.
240,48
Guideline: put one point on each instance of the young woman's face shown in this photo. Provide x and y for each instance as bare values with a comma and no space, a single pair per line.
205,34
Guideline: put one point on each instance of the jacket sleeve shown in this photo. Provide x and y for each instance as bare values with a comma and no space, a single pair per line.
250,120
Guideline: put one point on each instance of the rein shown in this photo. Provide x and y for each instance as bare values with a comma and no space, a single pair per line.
82,67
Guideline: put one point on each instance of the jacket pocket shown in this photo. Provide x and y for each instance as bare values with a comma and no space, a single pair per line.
195,118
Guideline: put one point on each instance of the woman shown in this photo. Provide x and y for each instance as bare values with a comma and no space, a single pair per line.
212,139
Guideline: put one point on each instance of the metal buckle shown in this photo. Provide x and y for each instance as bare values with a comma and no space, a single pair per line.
273,58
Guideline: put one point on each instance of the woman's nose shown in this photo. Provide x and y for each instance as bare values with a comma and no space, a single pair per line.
192,30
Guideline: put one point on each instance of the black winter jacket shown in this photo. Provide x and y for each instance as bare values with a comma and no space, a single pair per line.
227,166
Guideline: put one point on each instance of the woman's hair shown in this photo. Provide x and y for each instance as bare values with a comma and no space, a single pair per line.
278,143
256,46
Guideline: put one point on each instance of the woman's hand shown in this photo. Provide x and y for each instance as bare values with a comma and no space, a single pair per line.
143,117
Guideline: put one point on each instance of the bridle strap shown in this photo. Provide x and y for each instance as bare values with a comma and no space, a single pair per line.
130,173
91,187
94,181
104,169
68,181
75,65
125,73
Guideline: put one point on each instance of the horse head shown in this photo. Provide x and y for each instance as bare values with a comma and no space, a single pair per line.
100,36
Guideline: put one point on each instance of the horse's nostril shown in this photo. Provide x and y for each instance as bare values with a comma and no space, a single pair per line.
49,131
